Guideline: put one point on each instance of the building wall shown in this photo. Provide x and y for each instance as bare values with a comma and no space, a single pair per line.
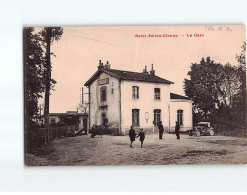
110,107
145,104
186,106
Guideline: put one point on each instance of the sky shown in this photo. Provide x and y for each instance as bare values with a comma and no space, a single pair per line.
126,48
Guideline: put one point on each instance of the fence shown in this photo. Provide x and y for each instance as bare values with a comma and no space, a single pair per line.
37,137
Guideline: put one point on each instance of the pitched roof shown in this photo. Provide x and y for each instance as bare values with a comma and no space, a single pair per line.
176,96
128,75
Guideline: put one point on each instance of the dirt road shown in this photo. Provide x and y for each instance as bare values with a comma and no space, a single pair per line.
115,150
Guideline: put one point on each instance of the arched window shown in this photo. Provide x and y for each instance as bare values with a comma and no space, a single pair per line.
135,92
103,94
180,117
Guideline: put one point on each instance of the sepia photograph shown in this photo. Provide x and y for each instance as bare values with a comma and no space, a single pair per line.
134,95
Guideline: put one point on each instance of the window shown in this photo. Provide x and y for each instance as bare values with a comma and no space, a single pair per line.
112,91
135,92
135,117
157,116
180,117
103,94
157,93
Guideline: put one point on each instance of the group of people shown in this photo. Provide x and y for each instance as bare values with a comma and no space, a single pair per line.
133,135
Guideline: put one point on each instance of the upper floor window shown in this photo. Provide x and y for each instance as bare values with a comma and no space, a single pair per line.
103,94
157,93
180,117
135,92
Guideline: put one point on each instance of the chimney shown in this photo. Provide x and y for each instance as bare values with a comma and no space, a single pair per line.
145,70
107,65
152,71
100,65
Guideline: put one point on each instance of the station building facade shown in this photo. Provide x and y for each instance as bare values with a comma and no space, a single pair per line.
125,98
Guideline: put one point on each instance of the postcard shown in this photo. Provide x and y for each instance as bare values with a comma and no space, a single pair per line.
135,95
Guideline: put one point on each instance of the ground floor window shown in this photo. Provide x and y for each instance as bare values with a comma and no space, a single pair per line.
180,117
157,116
135,117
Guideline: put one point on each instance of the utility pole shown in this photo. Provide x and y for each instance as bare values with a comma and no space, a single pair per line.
48,79
82,96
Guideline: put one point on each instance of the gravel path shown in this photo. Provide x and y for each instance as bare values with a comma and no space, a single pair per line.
115,150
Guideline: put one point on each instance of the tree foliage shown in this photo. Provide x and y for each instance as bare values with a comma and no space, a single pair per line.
48,35
37,73
203,86
37,66
218,91
33,65
239,108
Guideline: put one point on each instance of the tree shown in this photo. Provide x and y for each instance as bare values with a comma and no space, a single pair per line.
229,85
49,34
33,65
203,86
239,110
33,79
218,91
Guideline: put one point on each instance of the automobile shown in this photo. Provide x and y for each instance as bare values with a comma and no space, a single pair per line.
202,128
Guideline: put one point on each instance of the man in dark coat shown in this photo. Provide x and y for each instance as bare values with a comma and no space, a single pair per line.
93,130
132,135
161,130
177,128
142,136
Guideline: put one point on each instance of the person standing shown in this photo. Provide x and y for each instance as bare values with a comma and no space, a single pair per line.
161,130
142,136
177,128
93,131
132,135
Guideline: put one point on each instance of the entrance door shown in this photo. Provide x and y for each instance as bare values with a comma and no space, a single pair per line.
157,117
135,117
103,118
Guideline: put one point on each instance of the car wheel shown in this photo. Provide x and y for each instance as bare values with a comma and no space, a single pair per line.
198,133
190,133
211,132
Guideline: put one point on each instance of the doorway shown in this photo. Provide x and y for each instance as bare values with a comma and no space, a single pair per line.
135,117
157,117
